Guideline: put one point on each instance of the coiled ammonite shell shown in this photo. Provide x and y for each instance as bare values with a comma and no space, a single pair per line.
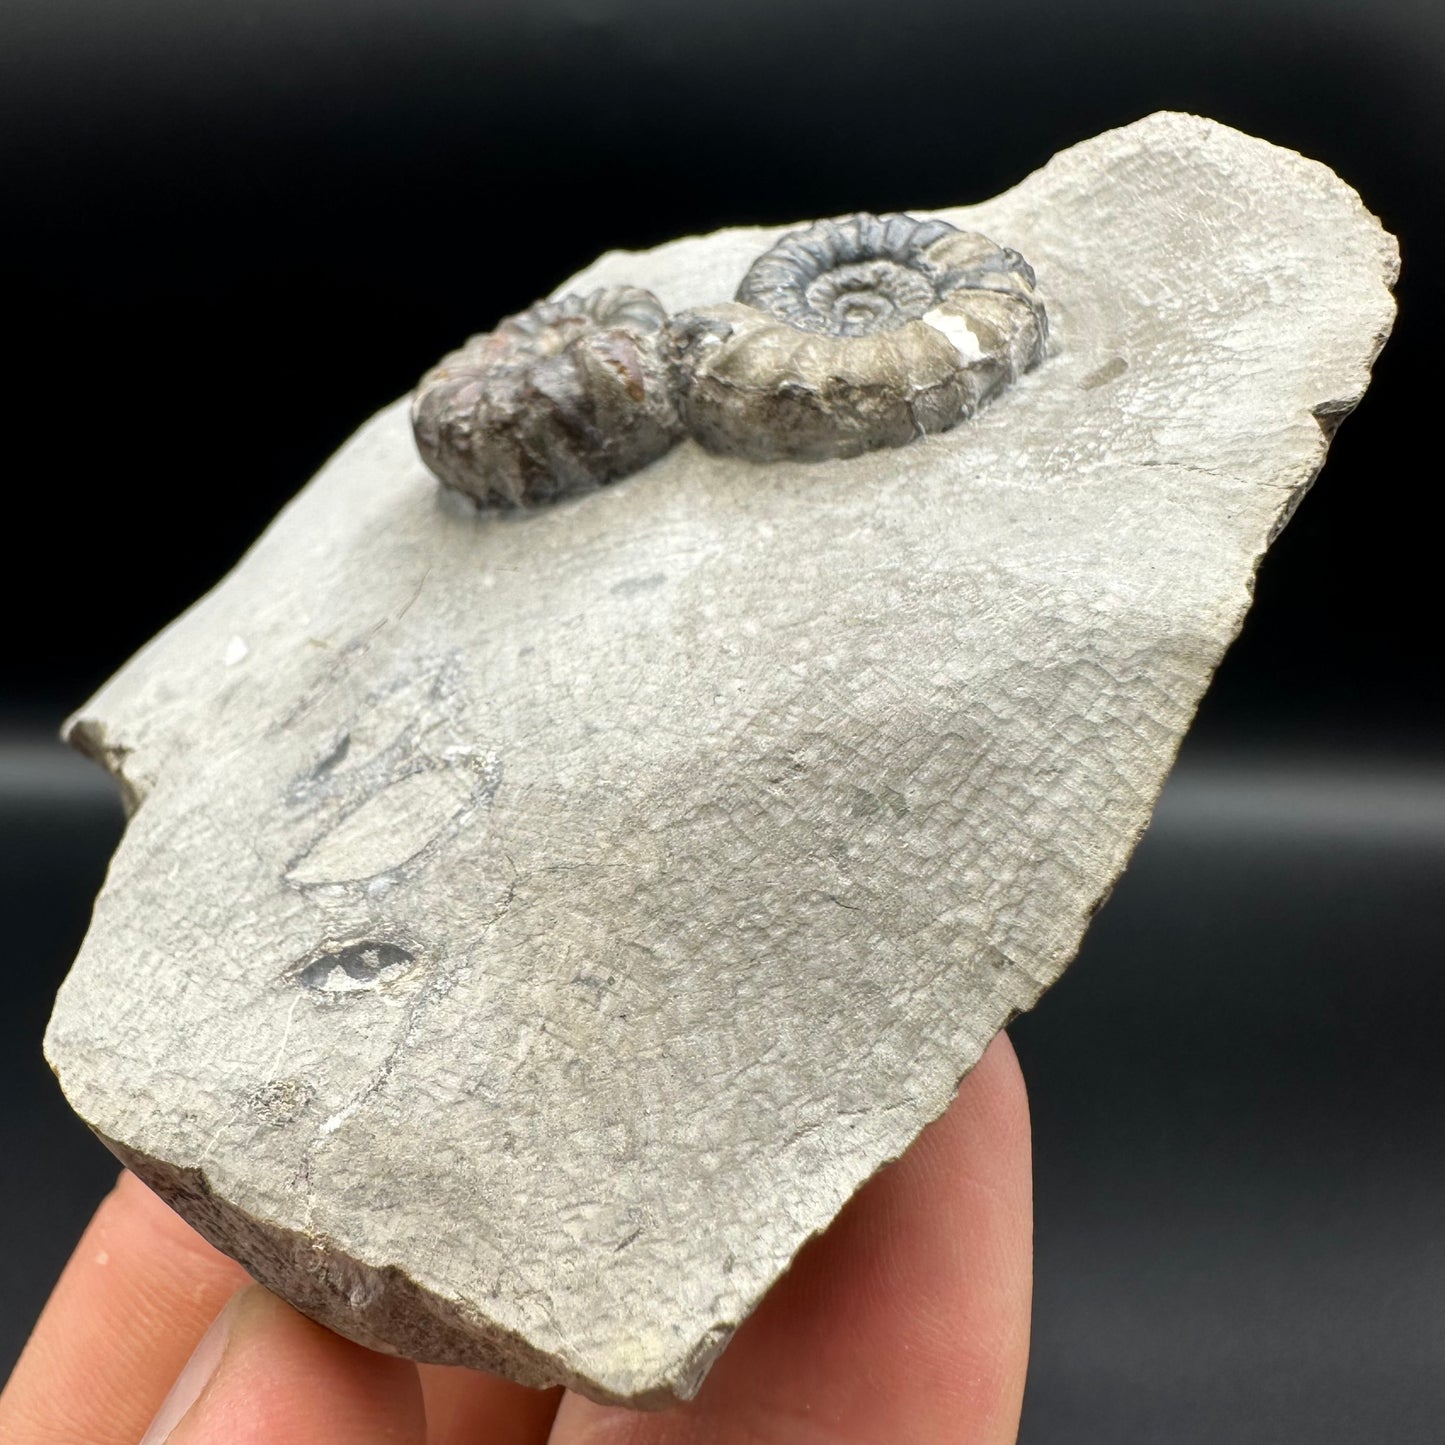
858,333
560,398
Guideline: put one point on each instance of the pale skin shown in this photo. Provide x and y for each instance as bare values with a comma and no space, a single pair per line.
907,1321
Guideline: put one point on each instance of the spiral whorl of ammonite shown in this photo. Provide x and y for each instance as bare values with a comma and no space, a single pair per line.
854,334
560,398
848,277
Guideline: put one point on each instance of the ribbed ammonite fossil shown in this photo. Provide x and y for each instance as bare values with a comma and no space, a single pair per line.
560,398
855,334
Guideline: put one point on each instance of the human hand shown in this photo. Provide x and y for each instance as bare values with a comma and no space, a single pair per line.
907,1321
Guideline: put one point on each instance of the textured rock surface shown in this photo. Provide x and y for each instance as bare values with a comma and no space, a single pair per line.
532,928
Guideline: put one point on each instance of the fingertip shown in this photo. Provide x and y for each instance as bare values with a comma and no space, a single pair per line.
992,1104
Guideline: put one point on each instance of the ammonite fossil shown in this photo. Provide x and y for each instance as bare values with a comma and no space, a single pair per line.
560,398
855,334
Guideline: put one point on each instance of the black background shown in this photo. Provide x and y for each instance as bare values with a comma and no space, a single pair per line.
232,232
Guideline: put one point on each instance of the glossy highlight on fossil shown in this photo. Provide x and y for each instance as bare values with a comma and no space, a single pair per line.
561,398
855,334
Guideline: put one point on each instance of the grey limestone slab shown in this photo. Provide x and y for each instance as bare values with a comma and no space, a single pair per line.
531,928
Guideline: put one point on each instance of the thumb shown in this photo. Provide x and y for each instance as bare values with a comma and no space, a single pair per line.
264,1373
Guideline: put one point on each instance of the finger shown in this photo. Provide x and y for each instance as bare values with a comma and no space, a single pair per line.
907,1320
139,1291
267,1374
467,1407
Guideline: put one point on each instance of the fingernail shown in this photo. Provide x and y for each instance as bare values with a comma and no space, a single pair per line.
194,1377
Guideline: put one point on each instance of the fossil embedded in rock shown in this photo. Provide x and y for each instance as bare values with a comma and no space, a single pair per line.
856,334
526,936
560,398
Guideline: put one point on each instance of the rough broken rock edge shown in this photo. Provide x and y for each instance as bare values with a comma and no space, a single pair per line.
378,1303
